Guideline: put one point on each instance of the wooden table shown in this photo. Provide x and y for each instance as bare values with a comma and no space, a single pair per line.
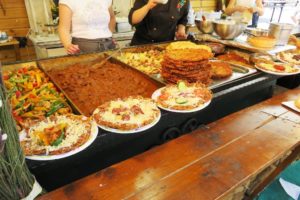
15,44
232,158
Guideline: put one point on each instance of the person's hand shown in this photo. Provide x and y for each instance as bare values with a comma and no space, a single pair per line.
72,49
151,4
180,34
252,9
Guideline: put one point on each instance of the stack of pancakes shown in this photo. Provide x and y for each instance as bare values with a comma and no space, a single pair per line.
187,61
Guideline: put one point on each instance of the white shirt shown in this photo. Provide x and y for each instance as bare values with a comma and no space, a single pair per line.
90,18
246,3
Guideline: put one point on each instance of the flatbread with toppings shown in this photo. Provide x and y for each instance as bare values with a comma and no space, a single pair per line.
127,114
57,135
292,57
277,67
184,96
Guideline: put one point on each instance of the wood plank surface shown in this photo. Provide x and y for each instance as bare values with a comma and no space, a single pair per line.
206,164
15,23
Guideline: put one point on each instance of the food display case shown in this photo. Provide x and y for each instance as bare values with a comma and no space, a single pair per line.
109,148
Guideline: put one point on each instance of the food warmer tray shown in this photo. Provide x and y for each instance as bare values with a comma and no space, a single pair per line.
66,61
162,46
109,148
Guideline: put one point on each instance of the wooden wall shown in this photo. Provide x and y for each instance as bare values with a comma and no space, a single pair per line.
207,5
15,23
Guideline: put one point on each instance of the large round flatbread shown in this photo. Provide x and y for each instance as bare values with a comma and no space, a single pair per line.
127,114
77,133
196,95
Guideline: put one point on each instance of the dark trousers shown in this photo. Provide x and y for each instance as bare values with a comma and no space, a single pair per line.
255,18
93,45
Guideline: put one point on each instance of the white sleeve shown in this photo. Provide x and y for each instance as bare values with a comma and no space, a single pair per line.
68,3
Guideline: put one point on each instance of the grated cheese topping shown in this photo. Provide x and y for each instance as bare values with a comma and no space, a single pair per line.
74,130
147,107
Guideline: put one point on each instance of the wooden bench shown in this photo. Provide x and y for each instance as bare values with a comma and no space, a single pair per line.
232,158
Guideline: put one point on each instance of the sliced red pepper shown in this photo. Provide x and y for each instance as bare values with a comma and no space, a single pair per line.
35,84
18,94
32,96
279,67
17,117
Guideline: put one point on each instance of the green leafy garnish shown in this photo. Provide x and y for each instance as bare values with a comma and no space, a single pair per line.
181,86
181,100
59,139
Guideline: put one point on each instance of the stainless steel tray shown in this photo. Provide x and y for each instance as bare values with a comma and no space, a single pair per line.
214,84
65,62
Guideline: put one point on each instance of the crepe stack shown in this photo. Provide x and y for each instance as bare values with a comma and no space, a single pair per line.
187,62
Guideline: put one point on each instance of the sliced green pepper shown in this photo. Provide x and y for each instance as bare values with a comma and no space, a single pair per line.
55,107
59,139
20,104
18,80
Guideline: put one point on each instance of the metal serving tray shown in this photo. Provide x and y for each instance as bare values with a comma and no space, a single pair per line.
161,46
67,61
19,65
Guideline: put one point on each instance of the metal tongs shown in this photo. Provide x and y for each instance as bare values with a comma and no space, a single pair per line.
98,65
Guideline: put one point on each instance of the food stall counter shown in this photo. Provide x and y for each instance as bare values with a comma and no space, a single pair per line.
232,158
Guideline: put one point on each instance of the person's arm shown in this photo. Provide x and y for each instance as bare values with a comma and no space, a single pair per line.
232,8
259,8
112,22
64,27
139,14
180,33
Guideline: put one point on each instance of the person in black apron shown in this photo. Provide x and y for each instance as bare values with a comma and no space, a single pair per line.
156,22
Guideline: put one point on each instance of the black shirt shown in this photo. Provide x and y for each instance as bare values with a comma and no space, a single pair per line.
160,24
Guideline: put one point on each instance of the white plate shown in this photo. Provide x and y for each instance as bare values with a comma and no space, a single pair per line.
278,73
284,61
291,104
157,93
93,136
113,130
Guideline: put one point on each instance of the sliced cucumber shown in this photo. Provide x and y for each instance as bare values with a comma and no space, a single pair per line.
181,100
240,70
181,86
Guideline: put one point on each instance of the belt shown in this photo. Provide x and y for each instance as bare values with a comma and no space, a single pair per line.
92,40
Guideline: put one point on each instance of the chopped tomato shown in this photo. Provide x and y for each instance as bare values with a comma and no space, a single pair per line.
18,94
164,97
126,117
35,84
279,67
5,77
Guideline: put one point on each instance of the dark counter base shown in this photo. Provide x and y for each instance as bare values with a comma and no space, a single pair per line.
110,148
290,82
